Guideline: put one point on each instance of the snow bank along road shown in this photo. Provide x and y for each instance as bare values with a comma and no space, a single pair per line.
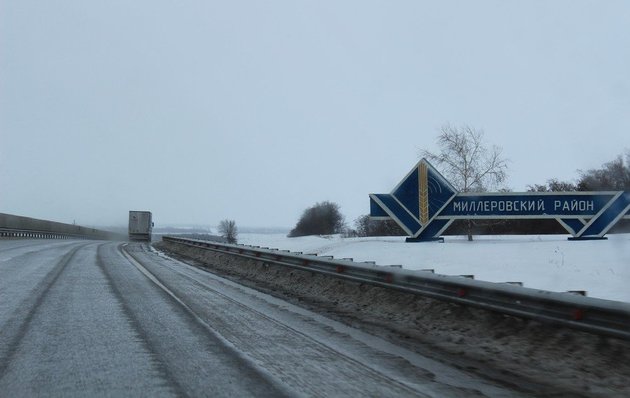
109,319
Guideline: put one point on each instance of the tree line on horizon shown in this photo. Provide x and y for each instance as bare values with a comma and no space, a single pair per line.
472,166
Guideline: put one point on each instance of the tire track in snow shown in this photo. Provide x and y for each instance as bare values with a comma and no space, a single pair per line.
17,326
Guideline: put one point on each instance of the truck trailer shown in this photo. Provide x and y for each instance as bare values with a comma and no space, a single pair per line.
140,225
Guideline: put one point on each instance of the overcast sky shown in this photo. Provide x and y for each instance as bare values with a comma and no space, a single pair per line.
250,110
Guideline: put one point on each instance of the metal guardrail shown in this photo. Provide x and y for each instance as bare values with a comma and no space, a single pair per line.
12,226
602,317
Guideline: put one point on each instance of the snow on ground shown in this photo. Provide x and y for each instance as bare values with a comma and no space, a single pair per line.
548,262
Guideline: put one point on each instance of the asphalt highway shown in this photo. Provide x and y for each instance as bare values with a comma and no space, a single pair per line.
85,318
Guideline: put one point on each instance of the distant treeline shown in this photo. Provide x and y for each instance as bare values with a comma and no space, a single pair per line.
325,218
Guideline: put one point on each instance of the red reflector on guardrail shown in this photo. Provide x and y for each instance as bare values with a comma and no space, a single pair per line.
578,314
461,292
339,269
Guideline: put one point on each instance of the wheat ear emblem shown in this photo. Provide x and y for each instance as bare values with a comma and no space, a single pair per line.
424,193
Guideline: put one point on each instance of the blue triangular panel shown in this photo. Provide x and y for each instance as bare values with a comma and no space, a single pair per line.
604,221
407,193
398,213
432,230
574,224
376,210
440,191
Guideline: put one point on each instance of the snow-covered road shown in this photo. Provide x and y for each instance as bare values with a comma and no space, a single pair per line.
78,320
82,318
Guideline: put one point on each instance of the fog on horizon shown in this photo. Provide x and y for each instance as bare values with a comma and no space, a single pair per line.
203,111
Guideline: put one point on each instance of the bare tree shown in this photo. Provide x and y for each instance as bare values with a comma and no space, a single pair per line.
467,162
553,185
614,176
227,229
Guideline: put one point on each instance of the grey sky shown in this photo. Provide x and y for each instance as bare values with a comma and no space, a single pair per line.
205,110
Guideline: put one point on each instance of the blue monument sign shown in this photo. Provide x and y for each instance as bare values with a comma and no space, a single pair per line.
425,204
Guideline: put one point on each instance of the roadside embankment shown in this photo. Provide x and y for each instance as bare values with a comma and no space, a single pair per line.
536,357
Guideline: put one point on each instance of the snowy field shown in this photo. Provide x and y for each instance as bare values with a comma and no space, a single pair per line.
549,262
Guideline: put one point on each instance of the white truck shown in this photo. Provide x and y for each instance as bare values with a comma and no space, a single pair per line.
140,225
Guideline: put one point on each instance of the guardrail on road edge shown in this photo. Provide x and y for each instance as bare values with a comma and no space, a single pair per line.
12,226
598,316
